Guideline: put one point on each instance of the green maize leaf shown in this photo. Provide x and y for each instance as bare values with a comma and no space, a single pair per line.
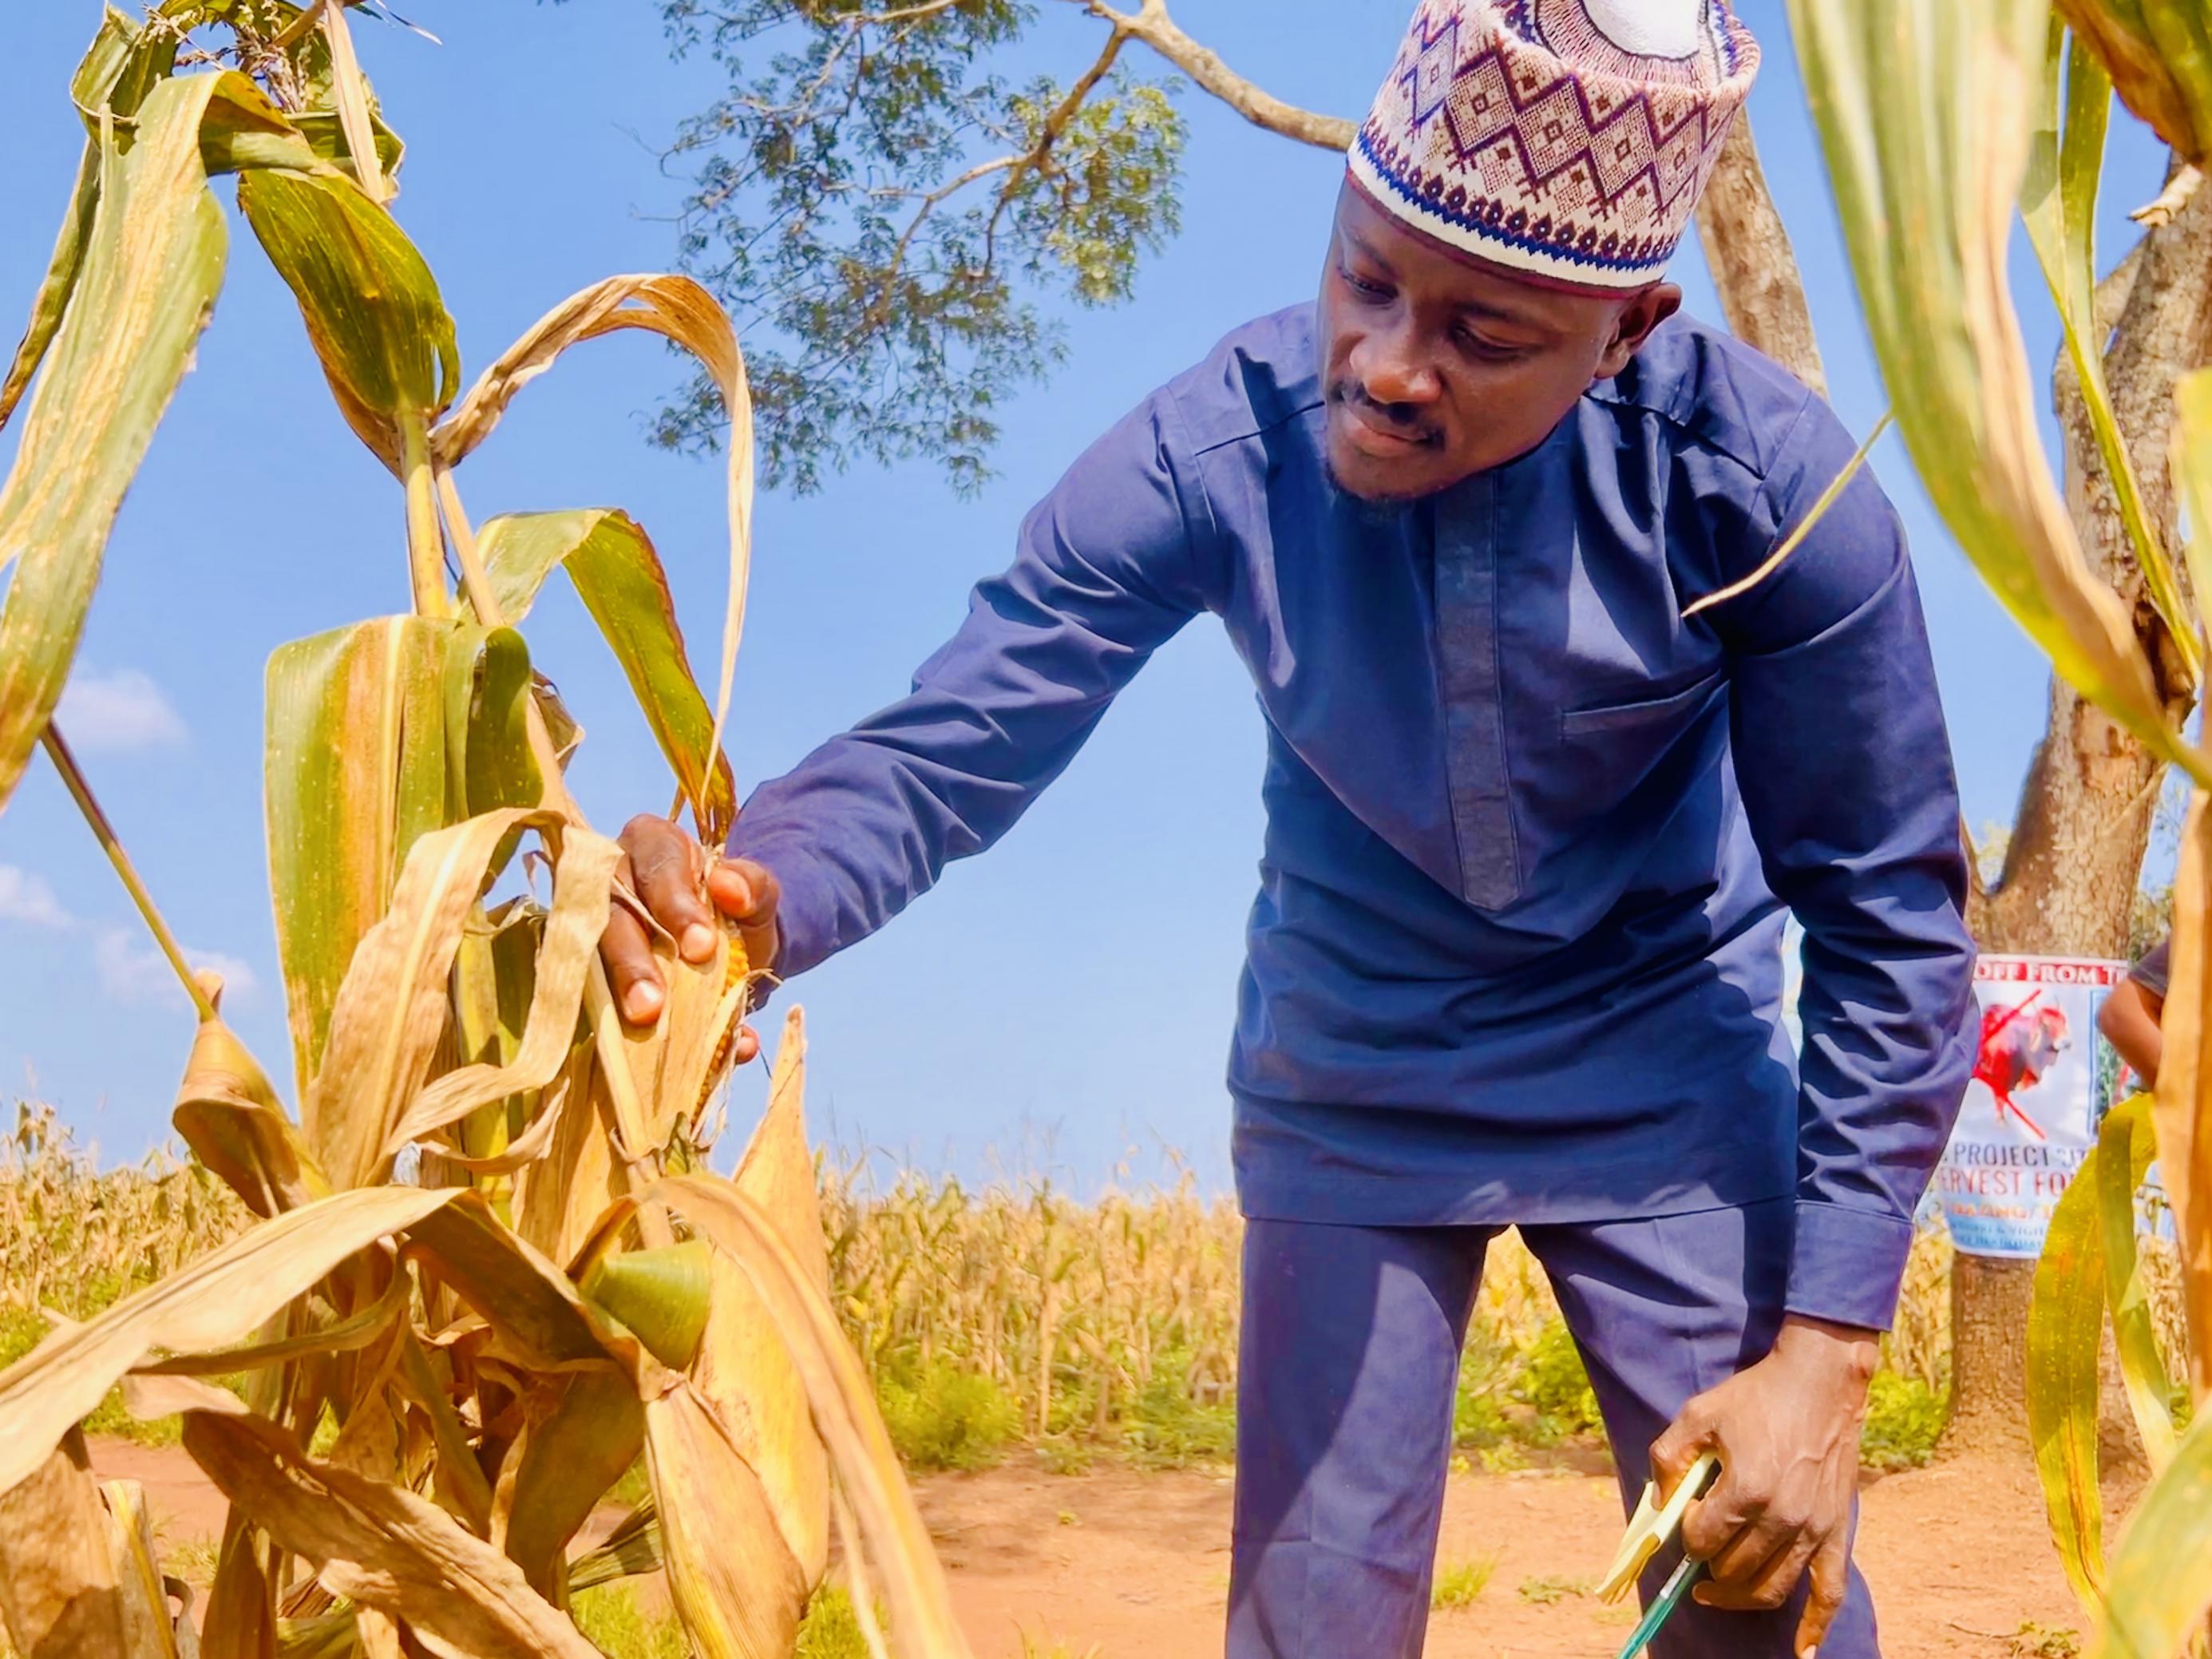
2065,1336
660,1295
2058,204
2127,1142
2161,1576
2191,467
213,1303
2159,54
494,977
355,771
488,761
620,579
370,304
1926,109
324,136
589,1441
124,64
145,291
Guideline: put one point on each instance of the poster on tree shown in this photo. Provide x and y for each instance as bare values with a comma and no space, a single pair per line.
2043,1077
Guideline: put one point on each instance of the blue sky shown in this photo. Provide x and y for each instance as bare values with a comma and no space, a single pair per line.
1066,1000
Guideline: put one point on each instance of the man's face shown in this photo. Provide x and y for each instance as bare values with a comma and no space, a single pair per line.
1437,368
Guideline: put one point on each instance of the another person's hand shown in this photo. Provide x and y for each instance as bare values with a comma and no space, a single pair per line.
1787,1430
661,865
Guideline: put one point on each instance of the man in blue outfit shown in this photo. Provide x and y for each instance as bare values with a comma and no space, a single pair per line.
1533,829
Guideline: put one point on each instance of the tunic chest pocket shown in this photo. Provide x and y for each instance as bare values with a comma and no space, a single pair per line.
1606,750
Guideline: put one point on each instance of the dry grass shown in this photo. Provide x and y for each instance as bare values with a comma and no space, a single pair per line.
1010,1312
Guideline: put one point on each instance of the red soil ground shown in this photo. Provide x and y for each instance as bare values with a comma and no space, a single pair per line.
1137,1563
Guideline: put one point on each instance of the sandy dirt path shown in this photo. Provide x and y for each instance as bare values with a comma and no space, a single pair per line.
1137,1564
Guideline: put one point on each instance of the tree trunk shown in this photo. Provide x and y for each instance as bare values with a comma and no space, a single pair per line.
2084,814
1754,269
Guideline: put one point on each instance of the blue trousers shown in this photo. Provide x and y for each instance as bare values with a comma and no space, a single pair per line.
1350,1360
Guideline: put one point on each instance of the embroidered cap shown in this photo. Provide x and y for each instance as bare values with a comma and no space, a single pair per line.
1565,140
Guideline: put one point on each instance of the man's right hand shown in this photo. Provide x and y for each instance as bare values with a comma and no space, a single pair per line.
661,865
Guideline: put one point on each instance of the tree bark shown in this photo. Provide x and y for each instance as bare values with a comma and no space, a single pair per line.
2086,809
1753,268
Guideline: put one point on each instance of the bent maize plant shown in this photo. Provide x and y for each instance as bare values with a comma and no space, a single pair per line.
491,1267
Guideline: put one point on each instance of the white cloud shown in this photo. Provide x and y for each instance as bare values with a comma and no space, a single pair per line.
25,898
133,971
124,710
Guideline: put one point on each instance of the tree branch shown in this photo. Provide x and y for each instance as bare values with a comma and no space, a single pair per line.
1152,24
1747,249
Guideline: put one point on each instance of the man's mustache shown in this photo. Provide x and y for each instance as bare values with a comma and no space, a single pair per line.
1401,418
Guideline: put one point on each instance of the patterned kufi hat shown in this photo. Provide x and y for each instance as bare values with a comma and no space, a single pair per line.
1565,140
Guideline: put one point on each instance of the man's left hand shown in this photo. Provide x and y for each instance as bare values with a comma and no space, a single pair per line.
1787,1430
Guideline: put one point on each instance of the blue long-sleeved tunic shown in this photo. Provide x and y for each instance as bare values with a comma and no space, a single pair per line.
1530,834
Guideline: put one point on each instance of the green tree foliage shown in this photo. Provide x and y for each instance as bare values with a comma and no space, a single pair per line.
886,215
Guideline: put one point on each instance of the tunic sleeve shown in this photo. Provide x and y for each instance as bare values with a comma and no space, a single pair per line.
1105,572
1846,771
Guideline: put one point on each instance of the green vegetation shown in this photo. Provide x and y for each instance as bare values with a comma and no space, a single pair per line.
1545,1591
613,1620
1460,1584
832,1630
1555,1386
941,1417
1167,1426
1904,1417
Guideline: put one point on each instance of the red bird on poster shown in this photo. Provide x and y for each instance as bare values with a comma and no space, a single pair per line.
2019,1045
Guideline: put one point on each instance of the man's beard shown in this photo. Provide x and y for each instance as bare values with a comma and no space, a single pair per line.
1386,509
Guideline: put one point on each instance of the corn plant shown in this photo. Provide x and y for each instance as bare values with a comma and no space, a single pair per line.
1939,120
489,1266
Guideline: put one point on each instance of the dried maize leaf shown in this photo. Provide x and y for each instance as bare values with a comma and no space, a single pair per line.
60,1596
2159,54
742,1370
371,308
150,1628
241,1612
214,1302
147,286
619,577
535,1312
680,1059
392,1010
583,876
683,311
736,1587
563,1468
382,1545
1924,109
843,1406
228,1112
560,1198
